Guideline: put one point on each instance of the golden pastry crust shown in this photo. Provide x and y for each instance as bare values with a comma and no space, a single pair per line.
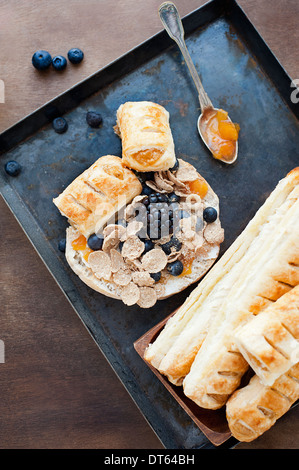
147,143
96,195
254,409
270,341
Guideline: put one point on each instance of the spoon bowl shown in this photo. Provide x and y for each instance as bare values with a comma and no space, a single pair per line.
171,20
201,127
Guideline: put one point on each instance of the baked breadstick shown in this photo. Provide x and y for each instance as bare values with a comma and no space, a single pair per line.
253,409
270,341
218,367
174,350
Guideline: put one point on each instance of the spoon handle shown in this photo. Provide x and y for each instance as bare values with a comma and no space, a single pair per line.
170,18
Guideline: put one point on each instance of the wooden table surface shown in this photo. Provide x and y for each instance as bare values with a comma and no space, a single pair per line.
57,390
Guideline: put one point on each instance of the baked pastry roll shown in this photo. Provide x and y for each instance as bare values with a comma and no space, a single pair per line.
270,341
147,143
253,409
270,272
175,349
93,198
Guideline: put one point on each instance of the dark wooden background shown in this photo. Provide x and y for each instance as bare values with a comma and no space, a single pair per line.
57,390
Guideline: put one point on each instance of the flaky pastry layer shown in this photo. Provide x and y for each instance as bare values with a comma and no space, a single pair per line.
97,194
147,143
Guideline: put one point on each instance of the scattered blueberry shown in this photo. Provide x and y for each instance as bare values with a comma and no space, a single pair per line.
175,166
12,168
120,246
153,198
148,245
60,125
145,176
172,197
146,190
156,276
173,242
62,245
175,268
59,62
94,242
75,55
162,197
93,119
210,214
145,201
41,60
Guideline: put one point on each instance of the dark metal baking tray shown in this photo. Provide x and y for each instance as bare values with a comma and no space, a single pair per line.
241,75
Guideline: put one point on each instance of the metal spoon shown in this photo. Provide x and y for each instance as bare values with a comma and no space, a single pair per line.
170,18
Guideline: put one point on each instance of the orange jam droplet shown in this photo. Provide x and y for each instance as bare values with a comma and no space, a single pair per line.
199,187
221,134
187,262
80,244
86,253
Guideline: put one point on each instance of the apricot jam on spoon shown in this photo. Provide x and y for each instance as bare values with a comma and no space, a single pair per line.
215,127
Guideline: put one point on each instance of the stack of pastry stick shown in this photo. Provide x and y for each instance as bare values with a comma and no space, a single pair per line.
243,314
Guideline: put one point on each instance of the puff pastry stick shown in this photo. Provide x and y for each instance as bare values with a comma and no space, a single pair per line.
185,332
270,341
218,367
147,143
254,409
93,198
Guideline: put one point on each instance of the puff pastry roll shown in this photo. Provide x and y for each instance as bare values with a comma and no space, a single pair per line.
93,198
175,349
254,409
270,341
271,271
147,143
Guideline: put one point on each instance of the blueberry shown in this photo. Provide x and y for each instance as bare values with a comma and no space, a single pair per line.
161,205
94,242
146,190
60,125
145,202
94,119
175,268
62,245
41,60
12,168
172,197
166,248
173,242
153,198
75,55
148,245
156,276
162,197
145,176
59,62
210,214
120,246
175,166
